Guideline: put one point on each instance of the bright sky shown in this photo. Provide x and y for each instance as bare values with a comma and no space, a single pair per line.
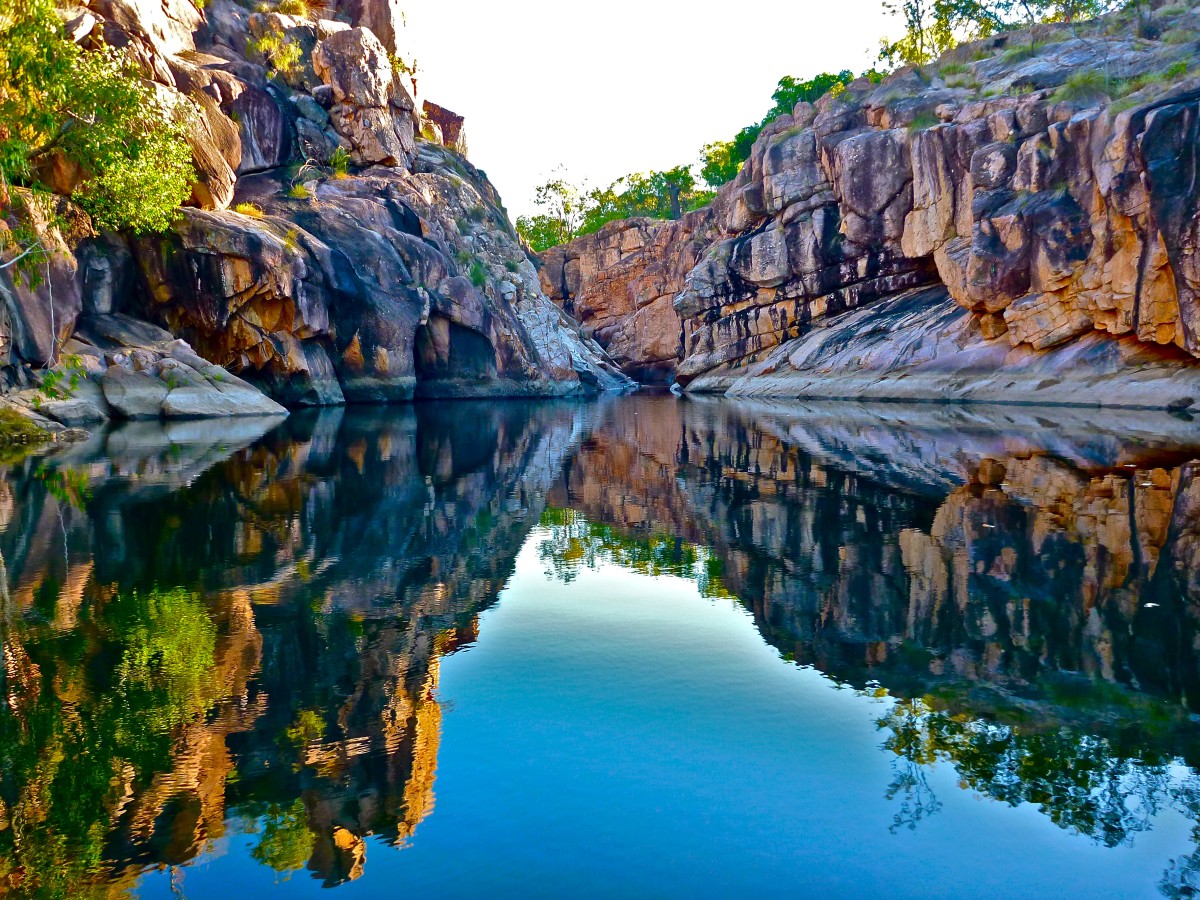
618,86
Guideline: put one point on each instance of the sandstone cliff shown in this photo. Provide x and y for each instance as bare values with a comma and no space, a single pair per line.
1015,222
337,246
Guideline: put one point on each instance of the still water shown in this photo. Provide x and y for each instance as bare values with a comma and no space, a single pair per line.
643,647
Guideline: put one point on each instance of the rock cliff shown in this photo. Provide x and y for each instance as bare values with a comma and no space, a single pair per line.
1017,221
337,246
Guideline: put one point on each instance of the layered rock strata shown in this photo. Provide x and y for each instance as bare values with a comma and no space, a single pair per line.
1056,211
329,253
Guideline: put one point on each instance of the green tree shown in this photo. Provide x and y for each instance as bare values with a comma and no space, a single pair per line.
569,211
927,33
92,109
720,161
561,205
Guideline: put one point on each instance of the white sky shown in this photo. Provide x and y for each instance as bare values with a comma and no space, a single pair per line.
621,86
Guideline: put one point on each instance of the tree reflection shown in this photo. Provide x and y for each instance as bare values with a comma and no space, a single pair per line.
573,543
1081,782
88,717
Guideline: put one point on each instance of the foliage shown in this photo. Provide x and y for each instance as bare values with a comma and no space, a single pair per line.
1069,776
571,211
478,274
656,195
573,543
253,210
276,50
91,108
562,208
297,8
299,192
17,429
59,383
931,27
720,161
1088,84
339,163
927,33
922,122
139,666
169,645
286,842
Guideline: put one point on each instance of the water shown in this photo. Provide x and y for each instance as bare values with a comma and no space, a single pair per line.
644,647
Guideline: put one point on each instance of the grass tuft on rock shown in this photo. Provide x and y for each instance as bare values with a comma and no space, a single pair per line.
18,434
1089,84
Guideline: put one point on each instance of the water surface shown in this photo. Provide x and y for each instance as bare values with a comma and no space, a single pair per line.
646,647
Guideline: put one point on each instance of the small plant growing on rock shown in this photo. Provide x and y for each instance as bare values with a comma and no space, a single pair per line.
1177,36
1086,85
297,8
952,68
1020,53
339,163
476,213
298,191
922,122
512,265
253,210
478,274
462,256
281,54
16,429
290,240
59,383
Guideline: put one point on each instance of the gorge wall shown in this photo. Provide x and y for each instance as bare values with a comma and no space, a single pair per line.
337,245
994,226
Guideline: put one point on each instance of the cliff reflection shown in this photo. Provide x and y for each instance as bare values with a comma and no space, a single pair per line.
1020,593
202,635
208,635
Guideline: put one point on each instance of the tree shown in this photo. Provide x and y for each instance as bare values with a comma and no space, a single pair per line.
934,26
927,33
720,161
570,211
93,110
562,205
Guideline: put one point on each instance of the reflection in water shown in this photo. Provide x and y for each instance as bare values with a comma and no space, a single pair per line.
242,633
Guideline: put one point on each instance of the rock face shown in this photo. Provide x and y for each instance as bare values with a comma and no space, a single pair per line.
1052,221
375,288
449,126
391,273
621,282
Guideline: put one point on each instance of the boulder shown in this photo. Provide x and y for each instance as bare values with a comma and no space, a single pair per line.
371,108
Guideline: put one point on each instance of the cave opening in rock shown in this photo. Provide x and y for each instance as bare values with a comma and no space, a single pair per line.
446,351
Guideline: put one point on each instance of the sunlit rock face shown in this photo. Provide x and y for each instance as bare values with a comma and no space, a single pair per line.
621,282
334,249
1046,238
